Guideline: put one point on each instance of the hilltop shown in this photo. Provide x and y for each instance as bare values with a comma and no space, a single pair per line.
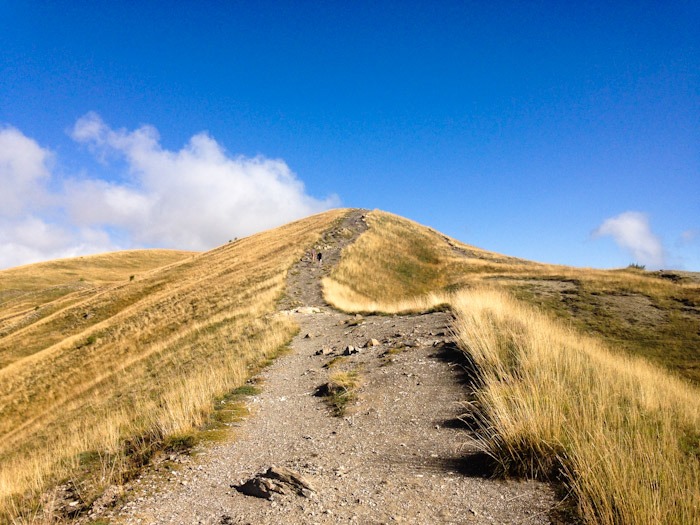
108,361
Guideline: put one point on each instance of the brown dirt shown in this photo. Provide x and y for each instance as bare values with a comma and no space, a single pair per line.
397,455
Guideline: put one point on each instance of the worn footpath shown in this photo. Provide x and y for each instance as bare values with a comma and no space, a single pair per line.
397,454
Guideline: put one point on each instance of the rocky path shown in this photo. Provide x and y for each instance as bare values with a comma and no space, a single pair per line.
395,456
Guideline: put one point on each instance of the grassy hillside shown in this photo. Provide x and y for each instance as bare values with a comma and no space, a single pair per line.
29,293
96,269
104,372
560,387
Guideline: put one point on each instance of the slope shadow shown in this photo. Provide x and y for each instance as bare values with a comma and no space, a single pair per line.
466,370
474,463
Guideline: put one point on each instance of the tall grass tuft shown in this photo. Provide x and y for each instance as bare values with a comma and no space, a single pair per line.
624,434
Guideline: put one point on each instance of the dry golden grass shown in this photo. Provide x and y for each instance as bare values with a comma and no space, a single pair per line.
89,388
32,291
395,266
100,268
346,299
341,390
625,433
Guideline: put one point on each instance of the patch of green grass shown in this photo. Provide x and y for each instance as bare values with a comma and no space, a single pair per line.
229,408
690,443
181,442
89,458
394,350
340,391
388,355
248,389
257,366
662,326
335,361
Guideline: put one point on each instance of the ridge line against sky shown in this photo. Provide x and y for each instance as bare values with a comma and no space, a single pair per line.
559,133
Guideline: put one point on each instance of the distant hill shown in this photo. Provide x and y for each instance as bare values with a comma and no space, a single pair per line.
24,288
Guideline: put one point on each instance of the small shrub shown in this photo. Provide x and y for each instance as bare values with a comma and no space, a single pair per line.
182,442
246,390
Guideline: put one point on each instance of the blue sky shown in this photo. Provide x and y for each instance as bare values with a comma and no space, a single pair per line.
559,132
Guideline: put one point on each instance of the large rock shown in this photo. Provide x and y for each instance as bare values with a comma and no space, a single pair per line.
260,487
276,480
349,350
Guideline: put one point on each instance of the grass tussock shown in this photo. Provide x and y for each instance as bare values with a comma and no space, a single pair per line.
624,433
341,390
116,371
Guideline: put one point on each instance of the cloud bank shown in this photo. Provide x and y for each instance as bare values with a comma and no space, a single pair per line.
631,231
195,198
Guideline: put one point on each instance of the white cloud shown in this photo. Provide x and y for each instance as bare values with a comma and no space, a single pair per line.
197,197
31,239
631,231
24,175
24,170
194,198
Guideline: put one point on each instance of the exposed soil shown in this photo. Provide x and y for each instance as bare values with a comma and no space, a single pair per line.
397,455
628,309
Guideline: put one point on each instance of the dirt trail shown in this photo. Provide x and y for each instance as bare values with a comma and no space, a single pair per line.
396,456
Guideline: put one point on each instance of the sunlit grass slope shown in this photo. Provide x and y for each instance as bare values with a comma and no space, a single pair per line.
400,265
396,265
624,433
30,292
107,372
101,268
560,387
